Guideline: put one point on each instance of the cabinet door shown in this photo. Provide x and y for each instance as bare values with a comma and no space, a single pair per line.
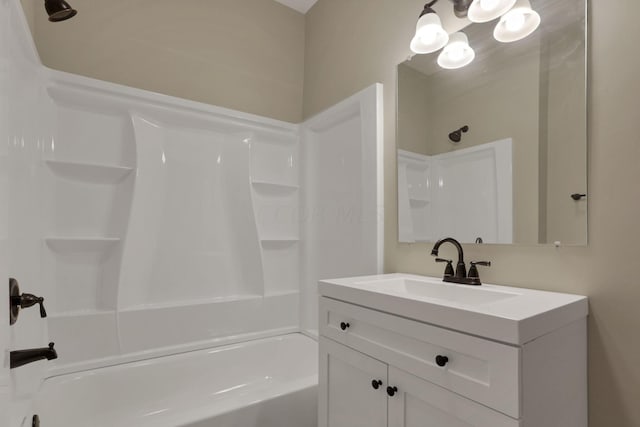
419,403
347,397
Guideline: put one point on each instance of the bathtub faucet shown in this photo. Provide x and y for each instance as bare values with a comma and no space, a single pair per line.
23,357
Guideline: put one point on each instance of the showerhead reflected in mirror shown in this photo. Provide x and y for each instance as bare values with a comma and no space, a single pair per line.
510,178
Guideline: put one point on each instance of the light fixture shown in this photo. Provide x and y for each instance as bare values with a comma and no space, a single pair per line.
518,23
461,7
488,10
430,36
457,53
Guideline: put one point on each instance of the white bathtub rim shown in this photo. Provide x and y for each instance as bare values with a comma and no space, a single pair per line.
195,412
221,407
230,405
156,353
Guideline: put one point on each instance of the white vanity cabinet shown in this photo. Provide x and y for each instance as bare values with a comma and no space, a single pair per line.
349,398
384,364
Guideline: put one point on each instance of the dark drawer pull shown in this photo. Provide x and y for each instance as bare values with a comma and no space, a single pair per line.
344,326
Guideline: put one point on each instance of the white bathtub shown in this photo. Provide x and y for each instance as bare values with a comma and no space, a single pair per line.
270,382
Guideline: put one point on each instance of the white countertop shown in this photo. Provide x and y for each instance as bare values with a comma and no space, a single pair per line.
502,313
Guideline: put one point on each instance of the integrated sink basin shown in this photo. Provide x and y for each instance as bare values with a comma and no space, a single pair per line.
504,313
430,289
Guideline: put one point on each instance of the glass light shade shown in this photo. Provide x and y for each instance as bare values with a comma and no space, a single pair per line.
457,53
430,36
518,23
488,10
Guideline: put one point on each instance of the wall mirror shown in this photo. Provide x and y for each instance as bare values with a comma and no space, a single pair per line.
496,151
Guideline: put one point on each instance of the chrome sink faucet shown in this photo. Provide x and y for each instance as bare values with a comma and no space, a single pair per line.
460,275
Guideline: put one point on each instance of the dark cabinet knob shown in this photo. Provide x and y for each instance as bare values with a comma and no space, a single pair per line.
376,384
391,391
441,360
344,326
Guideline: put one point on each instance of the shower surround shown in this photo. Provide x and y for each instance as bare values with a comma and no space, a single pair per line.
155,226
166,227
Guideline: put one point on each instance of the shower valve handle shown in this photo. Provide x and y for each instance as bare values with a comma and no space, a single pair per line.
19,301
28,300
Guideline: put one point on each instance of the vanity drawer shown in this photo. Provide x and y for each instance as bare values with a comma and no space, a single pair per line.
482,370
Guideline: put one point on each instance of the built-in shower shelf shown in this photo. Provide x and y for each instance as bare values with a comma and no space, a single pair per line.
80,313
192,302
271,186
81,244
89,172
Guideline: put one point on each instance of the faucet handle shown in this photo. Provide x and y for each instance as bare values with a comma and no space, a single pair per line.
473,270
448,270
27,300
19,301
482,263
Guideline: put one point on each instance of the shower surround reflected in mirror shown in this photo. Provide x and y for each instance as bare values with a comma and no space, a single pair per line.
511,176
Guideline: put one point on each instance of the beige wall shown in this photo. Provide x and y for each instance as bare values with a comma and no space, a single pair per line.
414,111
246,55
29,11
354,43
